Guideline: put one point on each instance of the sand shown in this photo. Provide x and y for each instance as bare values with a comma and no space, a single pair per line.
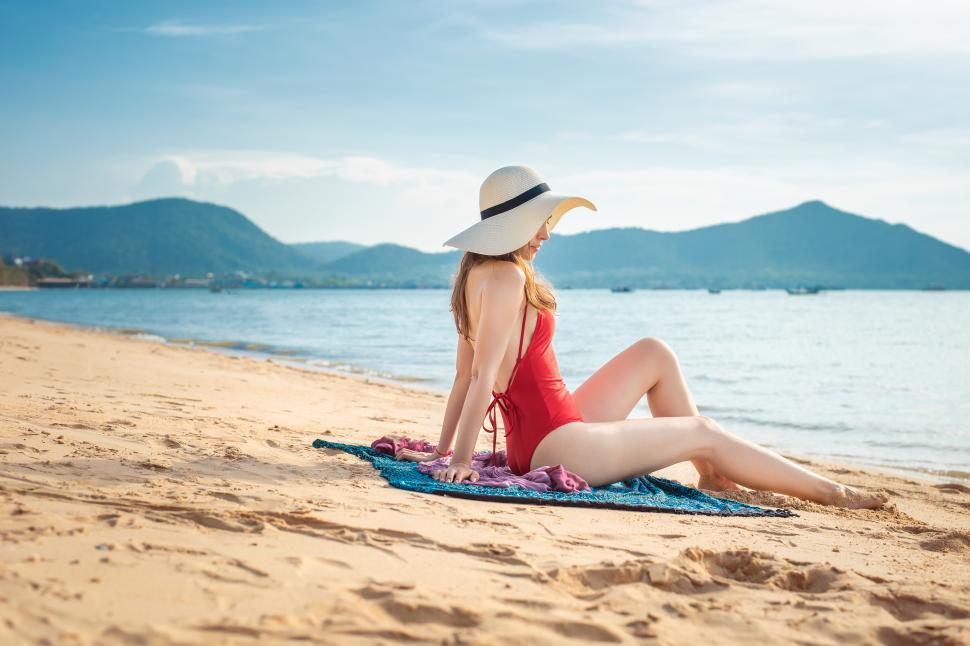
154,493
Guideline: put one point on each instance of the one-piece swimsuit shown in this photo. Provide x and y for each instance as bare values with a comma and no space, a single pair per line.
536,401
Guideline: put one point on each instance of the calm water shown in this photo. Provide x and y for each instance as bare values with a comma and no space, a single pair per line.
879,378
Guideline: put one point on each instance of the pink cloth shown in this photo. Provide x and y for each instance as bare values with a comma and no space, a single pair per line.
391,446
497,474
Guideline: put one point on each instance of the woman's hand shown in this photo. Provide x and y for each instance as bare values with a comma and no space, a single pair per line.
456,472
416,456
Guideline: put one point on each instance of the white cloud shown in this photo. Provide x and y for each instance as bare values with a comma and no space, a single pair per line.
824,29
178,29
230,166
664,138
739,136
210,169
945,138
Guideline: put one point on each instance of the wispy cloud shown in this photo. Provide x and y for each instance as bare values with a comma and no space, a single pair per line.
802,129
203,169
663,138
742,29
180,29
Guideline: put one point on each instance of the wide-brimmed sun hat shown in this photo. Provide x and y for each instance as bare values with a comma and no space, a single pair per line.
514,202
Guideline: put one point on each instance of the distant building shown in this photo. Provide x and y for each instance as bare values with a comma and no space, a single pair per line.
80,281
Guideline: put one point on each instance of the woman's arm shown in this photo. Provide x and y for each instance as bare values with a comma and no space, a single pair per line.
459,389
500,304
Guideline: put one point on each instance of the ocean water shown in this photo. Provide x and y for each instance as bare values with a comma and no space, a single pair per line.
868,377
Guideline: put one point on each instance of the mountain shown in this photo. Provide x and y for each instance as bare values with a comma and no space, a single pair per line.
327,251
390,260
156,237
810,244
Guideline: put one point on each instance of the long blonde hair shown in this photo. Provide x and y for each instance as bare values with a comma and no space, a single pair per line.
537,290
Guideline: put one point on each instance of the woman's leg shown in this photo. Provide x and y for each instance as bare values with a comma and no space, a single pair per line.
606,452
649,367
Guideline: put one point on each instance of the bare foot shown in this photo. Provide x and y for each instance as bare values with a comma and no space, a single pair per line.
717,482
852,499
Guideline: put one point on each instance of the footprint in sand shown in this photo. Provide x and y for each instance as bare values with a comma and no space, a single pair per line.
397,600
951,542
227,496
952,487
907,607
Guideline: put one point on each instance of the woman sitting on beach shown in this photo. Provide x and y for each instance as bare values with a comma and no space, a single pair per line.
500,308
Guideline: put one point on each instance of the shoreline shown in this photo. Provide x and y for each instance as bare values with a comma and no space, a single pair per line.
366,376
226,347
160,493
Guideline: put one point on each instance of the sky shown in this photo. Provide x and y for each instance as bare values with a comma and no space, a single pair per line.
377,121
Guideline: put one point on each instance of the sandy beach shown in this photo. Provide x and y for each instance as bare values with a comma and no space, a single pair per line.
157,493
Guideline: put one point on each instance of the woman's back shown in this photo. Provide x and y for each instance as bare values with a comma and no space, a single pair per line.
478,281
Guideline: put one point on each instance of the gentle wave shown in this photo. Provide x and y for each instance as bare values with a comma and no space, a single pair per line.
775,423
291,354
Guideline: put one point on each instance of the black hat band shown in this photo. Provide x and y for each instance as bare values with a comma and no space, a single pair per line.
518,200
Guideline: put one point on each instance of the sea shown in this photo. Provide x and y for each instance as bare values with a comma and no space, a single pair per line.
879,378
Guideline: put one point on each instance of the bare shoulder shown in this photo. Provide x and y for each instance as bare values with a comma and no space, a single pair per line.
505,273
499,283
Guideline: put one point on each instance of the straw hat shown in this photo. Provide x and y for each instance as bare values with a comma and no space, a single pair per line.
514,202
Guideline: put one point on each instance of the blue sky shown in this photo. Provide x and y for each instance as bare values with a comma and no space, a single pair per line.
377,121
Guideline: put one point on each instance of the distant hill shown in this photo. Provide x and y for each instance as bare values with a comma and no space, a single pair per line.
810,244
395,263
327,251
156,237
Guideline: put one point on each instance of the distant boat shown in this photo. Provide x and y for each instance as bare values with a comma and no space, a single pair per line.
215,289
620,290
798,291
713,290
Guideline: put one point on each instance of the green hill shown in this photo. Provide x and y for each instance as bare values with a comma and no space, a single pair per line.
327,251
156,237
811,243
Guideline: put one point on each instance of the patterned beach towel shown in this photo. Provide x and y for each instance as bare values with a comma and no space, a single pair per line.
645,493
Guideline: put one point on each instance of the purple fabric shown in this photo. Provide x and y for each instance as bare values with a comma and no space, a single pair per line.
553,478
391,446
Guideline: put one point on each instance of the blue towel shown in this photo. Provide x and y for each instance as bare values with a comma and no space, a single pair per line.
646,493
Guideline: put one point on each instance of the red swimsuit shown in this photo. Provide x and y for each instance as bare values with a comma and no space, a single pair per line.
535,404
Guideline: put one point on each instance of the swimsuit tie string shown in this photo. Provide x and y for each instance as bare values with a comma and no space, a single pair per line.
503,401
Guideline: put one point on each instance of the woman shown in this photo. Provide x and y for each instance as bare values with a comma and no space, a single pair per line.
500,309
